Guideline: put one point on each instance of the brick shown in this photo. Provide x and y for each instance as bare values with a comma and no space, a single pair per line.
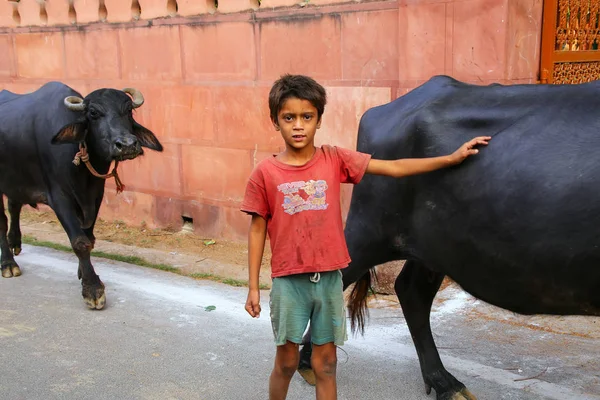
29,10
118,11
258,156
20,88
193,7
215,173
91,54
130,207
6,14
153,9
449,52
370,45
168,213
151,53
223,51
523,46
423,35
278,3
222,222
234,224
76,85
345,108
87,10
302,46
91,85
242,118
183,114
40,55
207,218
479,43
58,12
323,2
7,61
156,172
231,6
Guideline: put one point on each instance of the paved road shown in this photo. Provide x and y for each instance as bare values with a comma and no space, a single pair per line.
158,338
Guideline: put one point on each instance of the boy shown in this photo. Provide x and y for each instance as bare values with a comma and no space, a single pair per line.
295,197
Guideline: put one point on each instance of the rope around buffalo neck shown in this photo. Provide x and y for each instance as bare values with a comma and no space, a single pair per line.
82,155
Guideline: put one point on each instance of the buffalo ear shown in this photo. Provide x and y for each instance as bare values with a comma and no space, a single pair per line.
71,133
146,137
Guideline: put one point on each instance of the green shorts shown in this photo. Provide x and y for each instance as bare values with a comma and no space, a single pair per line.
295,300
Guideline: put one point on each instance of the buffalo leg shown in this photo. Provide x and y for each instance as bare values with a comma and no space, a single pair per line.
416,287
14,234
92,287
89,232
7,262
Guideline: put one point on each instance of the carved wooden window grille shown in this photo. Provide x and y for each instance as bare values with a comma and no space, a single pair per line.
570,41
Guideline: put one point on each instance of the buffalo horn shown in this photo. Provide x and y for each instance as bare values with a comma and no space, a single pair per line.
138,98
74,103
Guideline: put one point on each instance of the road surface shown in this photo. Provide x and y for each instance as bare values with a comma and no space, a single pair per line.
165,336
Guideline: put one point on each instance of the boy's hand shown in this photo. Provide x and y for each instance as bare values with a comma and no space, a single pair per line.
467,149
253,303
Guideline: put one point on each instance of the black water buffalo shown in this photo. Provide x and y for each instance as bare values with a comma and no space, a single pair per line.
44,135
517,225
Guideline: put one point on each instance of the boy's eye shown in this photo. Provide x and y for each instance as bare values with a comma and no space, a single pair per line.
288,118
308,117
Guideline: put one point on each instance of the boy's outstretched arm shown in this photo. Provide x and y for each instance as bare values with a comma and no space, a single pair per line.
256,245
414,166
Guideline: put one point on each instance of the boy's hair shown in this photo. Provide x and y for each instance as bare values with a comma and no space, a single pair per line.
298,86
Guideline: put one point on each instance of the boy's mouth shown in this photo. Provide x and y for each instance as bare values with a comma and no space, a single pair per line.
298,138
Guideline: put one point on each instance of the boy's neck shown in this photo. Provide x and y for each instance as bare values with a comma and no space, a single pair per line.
297,157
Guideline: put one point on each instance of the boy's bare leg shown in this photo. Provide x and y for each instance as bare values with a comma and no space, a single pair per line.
286,362
324,363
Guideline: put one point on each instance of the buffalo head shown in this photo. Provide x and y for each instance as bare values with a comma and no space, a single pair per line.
106,124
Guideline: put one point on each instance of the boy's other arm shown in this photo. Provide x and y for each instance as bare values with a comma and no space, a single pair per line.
414,166
256,245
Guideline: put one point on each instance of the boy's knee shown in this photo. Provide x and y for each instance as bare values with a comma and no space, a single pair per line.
325,364
287,359
288,369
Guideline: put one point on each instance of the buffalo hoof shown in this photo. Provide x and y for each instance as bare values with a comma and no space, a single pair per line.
464,394
447,387
16,251
10,269
308,375
94,296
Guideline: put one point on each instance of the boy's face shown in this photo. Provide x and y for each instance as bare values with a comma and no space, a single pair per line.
298,122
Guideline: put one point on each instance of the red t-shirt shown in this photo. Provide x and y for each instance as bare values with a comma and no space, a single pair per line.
302,207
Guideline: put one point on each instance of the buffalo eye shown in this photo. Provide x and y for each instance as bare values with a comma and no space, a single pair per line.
94,114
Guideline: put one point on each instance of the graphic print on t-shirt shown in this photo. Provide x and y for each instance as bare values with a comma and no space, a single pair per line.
303,196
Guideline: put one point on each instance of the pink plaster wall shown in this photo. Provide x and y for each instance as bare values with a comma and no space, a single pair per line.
206,72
